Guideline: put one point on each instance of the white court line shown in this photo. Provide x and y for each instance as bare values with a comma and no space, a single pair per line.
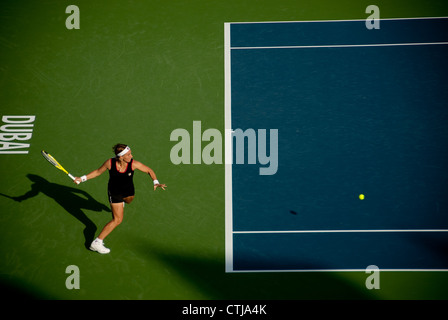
338,270
341,231
345,45
325,21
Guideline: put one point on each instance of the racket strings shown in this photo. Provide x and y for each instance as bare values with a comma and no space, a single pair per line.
51,159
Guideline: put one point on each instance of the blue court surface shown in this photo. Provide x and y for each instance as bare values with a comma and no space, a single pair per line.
358,111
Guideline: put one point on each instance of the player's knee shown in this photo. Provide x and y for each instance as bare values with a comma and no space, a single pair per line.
118,220
128,199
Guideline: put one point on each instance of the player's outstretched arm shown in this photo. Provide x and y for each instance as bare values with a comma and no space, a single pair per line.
140,166
94,173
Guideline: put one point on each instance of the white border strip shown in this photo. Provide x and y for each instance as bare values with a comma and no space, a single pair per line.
228,151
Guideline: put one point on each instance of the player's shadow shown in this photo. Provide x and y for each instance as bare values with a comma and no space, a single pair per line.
73,200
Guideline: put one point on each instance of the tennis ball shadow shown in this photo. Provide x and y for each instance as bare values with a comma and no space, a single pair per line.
208,275
73,200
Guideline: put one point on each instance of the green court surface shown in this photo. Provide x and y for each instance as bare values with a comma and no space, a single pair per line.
134,72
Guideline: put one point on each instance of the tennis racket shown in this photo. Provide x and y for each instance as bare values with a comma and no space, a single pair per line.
54,162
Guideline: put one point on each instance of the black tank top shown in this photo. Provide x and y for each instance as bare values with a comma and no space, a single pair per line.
121,183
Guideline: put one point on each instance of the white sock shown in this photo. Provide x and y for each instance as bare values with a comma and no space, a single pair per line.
99,240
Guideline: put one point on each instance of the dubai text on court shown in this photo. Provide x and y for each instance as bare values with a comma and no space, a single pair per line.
14,131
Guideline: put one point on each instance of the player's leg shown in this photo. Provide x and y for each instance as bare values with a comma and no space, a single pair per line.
117,218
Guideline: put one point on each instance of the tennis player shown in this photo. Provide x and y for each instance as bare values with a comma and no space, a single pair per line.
120,188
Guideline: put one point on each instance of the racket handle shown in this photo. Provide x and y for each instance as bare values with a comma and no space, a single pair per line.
73,178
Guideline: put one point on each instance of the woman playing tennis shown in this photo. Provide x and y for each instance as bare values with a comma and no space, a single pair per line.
120,188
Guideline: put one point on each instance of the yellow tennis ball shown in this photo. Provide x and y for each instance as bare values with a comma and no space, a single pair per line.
361,197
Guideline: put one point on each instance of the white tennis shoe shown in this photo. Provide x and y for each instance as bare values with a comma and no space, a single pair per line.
98,246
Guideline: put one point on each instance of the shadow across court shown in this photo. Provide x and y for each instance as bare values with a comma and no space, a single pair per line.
206,273
73,200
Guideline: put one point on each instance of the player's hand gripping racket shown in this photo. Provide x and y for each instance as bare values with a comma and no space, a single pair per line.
54,162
